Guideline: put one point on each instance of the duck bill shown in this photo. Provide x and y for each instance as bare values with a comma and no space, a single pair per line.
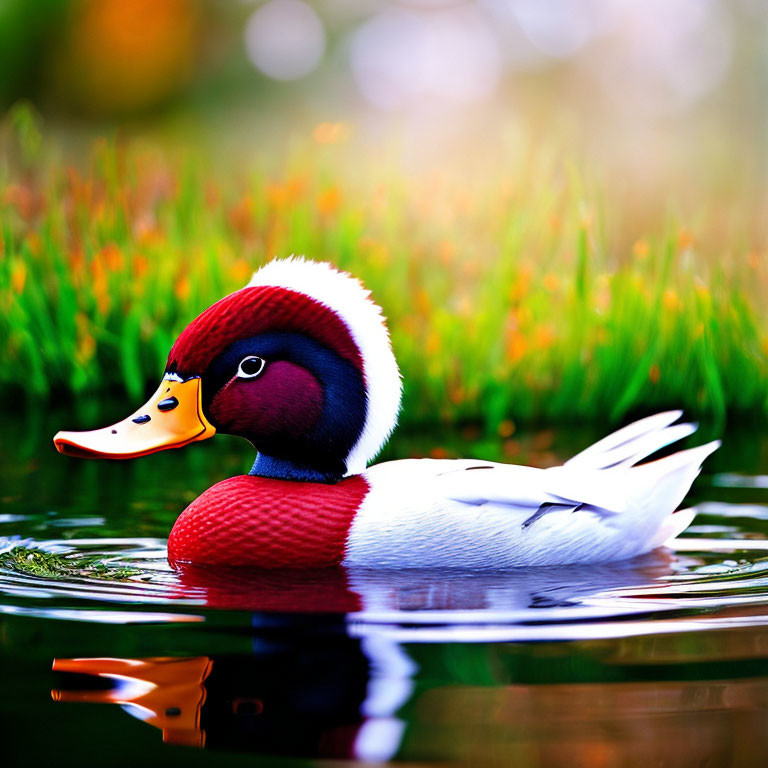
173,417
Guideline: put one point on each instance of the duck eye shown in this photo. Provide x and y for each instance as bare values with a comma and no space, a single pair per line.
250,367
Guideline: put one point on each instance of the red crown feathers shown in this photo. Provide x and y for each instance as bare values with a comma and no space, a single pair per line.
254,310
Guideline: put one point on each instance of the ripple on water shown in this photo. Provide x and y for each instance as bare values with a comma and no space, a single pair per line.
715,577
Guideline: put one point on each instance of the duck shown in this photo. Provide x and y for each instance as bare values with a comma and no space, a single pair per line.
299,362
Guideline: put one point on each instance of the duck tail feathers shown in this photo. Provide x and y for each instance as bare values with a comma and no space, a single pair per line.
633,443
659,488
671,527
672,476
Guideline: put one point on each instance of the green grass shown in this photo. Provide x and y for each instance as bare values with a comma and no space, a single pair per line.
510,296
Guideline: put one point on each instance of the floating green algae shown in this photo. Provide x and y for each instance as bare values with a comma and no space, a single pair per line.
53,565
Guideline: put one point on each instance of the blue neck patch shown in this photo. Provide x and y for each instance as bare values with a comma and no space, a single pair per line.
283,469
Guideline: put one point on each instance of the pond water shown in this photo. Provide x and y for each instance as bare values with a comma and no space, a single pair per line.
109,657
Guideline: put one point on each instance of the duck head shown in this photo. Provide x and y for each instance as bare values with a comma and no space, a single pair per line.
298,362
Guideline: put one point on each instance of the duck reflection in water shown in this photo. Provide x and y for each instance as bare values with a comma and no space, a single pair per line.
367,595
321,693
291,696
327,675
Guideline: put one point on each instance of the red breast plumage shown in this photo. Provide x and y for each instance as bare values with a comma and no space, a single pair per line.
268,523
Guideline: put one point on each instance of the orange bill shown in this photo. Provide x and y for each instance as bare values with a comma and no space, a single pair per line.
173,417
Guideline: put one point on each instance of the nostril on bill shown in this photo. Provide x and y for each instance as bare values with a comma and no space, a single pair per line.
141,419
168,404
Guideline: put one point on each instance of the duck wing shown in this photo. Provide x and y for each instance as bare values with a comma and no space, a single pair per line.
617,490
599,477
599,506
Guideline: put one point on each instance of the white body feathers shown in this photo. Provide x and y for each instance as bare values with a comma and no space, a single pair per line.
597,507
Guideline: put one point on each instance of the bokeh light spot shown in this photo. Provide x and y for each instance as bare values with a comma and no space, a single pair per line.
403,58
285,39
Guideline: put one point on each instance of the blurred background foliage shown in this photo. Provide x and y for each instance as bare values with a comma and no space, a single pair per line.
559,206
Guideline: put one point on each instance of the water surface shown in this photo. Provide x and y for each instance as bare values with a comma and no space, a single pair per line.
106,651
